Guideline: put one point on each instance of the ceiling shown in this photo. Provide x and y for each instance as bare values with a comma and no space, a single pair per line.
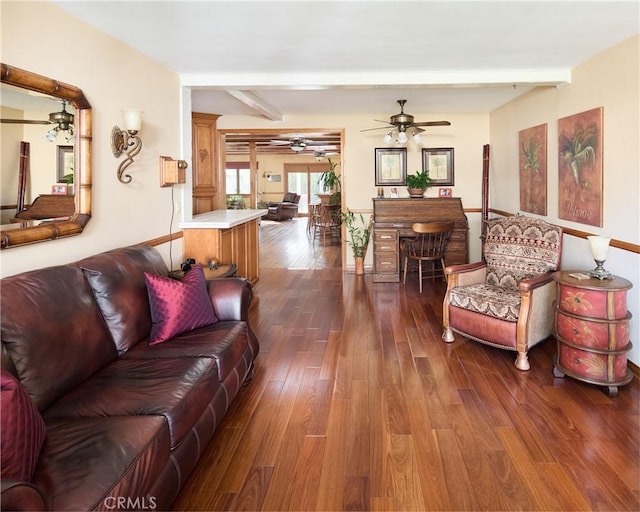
273,59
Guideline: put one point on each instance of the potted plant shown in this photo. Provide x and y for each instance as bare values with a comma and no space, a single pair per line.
417,183
329,182
359,233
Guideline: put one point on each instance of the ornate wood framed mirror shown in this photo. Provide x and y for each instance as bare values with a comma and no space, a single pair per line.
27,232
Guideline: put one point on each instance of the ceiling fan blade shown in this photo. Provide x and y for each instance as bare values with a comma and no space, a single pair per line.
388,127
23,121
280,142
433,123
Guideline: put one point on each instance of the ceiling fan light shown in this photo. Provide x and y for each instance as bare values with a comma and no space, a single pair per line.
387,138
402,137
416,138
297,147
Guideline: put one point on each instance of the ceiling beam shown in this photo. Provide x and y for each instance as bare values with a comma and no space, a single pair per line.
255,102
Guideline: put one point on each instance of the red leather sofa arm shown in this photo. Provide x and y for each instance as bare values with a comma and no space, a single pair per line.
17,496
231,297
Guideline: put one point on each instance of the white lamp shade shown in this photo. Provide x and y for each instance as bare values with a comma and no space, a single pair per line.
417,138
132,119
599,247
402,137
387,138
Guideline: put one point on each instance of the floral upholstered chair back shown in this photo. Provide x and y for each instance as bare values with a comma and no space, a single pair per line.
519,247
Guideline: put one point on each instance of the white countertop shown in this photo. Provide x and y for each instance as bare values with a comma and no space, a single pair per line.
222,219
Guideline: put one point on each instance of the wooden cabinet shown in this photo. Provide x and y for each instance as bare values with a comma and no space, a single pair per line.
236,244
394,218
592,329
204,169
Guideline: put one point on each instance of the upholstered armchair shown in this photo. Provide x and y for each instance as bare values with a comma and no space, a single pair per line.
284,210
506,301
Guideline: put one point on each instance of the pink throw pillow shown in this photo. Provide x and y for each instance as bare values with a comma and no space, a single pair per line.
178,306
22,430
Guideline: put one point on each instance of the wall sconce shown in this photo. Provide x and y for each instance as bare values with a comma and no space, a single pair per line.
599,248
127,141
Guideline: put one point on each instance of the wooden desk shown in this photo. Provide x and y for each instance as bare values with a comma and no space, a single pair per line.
394,218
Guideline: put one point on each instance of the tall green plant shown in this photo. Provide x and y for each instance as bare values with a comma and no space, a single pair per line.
359,233
329,180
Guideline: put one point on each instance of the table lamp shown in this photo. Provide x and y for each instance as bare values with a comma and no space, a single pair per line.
599,248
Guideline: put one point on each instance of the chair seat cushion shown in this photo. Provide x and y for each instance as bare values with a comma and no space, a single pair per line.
500,303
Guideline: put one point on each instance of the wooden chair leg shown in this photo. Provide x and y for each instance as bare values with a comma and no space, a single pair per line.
406,264
420,274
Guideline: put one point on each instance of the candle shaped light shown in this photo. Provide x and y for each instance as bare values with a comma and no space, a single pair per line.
599,249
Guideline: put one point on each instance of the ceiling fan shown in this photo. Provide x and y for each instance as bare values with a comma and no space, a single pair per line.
63,121
402,122
298,143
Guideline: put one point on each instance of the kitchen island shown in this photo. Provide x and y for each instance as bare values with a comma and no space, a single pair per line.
229,236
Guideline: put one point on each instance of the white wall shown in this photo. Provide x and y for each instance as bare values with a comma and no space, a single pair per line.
609,80
113,77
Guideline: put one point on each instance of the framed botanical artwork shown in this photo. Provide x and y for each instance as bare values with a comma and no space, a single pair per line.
438,162
391,166
65,162
580,172
532,150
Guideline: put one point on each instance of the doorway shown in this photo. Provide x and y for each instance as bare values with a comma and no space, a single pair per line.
303,180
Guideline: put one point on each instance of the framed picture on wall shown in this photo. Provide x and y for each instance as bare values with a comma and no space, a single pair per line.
580,169
391,166
438,162
532,154
65,162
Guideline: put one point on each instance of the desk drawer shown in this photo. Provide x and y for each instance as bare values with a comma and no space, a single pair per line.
386,262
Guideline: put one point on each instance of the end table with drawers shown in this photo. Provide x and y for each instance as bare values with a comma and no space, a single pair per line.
592,329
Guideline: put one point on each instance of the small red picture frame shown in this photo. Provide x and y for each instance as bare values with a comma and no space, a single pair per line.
59,189
445,192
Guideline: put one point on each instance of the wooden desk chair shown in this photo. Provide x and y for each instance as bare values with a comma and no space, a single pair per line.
428,246
326,221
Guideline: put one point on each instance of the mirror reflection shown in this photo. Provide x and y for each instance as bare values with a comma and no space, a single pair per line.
44,167
46,149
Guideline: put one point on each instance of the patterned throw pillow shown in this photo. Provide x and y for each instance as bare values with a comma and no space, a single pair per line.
22,430
178,306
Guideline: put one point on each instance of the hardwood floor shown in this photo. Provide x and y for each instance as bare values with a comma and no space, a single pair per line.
357,404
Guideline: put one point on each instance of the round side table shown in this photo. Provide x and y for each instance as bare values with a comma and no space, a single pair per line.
592,329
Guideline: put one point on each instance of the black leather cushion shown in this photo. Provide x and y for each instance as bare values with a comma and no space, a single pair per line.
178,389
88,463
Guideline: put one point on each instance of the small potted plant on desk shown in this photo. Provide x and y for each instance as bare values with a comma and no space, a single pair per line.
417,183
359,233
329,182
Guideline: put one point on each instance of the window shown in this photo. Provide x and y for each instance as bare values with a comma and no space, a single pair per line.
238,178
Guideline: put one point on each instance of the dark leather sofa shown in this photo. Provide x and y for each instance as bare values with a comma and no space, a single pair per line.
284,210
126,421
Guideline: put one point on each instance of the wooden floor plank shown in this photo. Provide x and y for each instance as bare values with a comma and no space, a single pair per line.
357,404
